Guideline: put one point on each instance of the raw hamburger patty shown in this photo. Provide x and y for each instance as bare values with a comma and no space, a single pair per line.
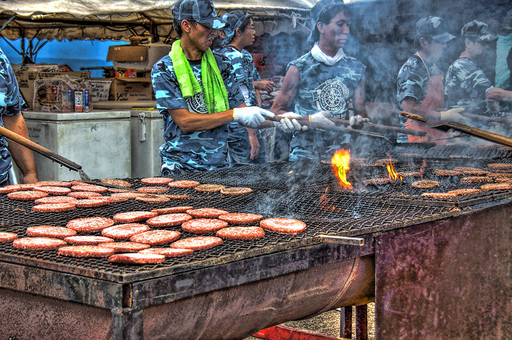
10,188
177,197
136,258
425,184
53,207
124,231
133,216
444,172
89,187
93,202
53,190
209,187
156,237
235,191
54,184
85,251
167,252
197,243
153,199
38,243
500,166
118,182
438,195
206,212
84,194
203,225
125,247
172,210
496,186
241,233
283,225
7,237
55,199
87,240
27,195
168,220
153,190
156,180
50,231
240,218
90,224
126,195
183,184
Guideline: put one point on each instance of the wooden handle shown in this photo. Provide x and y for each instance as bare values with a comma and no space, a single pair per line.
493,137
413,116
39,149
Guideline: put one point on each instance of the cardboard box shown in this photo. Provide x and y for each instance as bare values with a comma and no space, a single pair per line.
26,81
140,57
131,89
100,89
56,94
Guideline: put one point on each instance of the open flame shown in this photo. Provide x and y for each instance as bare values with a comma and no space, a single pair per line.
392,172
340,165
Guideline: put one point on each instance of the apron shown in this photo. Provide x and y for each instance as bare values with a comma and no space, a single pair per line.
433,100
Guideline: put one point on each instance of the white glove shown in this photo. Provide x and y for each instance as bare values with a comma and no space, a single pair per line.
289,123
453,115
251,116
321,117
356,122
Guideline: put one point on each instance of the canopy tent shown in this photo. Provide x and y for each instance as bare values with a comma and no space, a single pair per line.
119,19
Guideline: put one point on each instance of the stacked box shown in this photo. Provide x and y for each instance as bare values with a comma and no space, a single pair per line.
57,94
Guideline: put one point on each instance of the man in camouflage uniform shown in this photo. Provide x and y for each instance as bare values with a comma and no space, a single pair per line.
197,94
420,81
244,144
11,118
467,86
321,84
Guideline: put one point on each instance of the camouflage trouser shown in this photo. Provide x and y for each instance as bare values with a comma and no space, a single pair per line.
168,170
239,147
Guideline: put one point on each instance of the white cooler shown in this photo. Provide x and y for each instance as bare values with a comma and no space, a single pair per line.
98,141
147,133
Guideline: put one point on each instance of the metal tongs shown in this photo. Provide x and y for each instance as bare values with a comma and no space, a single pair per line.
493,137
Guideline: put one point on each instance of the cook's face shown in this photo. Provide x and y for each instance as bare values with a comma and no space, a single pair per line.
436,50
337,31
479,50
249,34
202,36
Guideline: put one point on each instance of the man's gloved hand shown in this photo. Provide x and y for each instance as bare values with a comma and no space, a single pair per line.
251,116
453,115
321,117
289,123
357,122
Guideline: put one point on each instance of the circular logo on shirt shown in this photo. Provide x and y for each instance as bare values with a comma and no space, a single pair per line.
331,96
197,104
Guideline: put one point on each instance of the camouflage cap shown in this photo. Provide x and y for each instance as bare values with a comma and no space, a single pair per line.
479,30
201,11
235,19
433,27
320,8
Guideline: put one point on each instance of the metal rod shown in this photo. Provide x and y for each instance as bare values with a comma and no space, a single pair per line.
353,241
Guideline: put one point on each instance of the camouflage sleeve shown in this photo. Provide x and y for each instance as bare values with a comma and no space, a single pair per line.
10,96
412,81
166,87
235,96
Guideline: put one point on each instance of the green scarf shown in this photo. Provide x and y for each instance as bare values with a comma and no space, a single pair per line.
215,93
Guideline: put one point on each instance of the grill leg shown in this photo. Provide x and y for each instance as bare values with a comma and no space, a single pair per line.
362,322
346,322
127,324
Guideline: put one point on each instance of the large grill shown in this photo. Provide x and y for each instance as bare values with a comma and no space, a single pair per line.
303,190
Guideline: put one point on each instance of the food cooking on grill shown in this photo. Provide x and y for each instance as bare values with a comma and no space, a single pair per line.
203,225
153,199
385,161
92,202
500,166
38,243
171,210
90,224
168,252
50,231
377,181
466,170
117,182
438,195
85,251
235,191
206,212
87,240
476,179
241,233
55,199
125,247
241,218
156,237
53,183
197,243
7,236
121,196
27,195
153,189
445,172
136,258
168,220
156,180
177,197
84,194
209,187
52,190
468,191
89,187
497,186
54,207
133,216
283,225
183,184
10,188
124,231
425,184
409,174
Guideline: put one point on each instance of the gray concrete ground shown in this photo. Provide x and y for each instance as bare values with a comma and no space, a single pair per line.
328,323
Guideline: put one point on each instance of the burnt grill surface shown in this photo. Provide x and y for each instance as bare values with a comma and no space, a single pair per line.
306,191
